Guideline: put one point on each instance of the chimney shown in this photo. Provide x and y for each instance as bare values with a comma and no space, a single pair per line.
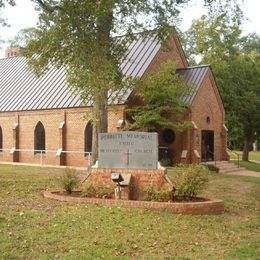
13,51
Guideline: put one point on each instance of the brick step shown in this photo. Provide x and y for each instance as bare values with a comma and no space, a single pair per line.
224,163
225,166
228,167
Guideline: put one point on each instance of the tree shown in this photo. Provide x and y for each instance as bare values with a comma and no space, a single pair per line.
236,64
2,5
160,98
81,36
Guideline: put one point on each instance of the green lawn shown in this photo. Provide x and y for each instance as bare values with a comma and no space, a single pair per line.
32,227
252,155
249,165
252,166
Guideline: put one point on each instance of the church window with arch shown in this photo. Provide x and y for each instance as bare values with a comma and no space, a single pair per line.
88,138
1,139
39,138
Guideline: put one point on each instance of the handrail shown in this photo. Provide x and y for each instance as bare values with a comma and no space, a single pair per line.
237,154
213,156
42,153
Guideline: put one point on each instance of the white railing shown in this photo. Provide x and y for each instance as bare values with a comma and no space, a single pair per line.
43,153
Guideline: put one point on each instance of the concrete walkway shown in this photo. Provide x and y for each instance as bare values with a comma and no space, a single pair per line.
255,161
244,173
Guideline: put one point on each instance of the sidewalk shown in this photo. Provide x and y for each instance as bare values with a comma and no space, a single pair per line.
244,173
255,161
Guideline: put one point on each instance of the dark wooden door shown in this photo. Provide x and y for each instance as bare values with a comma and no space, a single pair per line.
207,145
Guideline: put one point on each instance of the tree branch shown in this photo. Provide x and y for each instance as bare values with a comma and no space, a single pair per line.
48,8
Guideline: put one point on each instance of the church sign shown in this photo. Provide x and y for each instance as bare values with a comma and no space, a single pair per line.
128,150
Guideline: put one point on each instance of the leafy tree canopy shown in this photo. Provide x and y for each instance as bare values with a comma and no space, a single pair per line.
161,98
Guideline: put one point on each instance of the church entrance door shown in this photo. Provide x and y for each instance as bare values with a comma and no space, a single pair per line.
207,145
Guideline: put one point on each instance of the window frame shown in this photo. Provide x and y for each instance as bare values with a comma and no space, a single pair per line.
1,139
39,144
87,145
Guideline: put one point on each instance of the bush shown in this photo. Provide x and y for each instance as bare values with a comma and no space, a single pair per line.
212,168
97,192
70,180
152,194
89,190
189,180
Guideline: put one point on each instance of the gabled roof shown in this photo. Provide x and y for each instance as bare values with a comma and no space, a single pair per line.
193,76
21,90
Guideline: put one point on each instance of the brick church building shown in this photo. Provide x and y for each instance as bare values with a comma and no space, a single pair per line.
42,122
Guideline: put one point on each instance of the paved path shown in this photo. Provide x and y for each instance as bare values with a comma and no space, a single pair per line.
255,161
244,173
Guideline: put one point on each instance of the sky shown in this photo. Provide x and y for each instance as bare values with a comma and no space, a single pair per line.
23,15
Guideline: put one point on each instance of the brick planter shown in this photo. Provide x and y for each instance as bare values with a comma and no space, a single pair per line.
211,207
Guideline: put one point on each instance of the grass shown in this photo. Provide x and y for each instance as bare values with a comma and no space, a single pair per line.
249,165
32,227
252,155
252,166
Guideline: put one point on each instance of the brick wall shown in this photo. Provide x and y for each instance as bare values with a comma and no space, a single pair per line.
141,178
7,123
68,136
172,52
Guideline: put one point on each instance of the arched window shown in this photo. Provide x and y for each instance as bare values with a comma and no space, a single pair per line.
39,138
1,139
88,137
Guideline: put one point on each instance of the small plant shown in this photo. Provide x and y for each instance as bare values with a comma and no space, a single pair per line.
105,192
70,180
97,192
166,162
189,180
89,190
212,168
152,194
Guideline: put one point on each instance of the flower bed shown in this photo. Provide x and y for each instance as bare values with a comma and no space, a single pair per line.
203,207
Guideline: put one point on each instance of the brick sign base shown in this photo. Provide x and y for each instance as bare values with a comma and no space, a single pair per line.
140,178
211,207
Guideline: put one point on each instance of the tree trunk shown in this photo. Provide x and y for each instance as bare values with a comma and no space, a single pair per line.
245,156
99,126
94,154
104,26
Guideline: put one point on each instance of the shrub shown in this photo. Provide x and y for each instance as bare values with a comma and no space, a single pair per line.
212,168
97,192
189,180
166,162
70,180
89,190
152,194
105,192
